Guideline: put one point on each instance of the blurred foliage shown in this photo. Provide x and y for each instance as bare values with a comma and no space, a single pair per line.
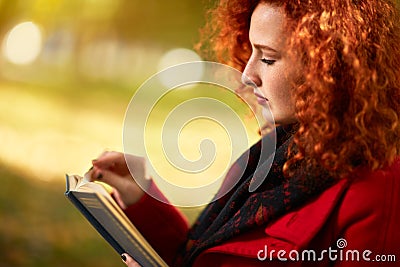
172,23
90,41
40,228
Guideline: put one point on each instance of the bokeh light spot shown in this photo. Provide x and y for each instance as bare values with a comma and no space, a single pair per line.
23,43
178,56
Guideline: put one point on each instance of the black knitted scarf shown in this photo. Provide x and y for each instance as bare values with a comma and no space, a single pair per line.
241,210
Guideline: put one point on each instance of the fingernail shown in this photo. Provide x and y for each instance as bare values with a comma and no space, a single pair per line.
99,176
123,257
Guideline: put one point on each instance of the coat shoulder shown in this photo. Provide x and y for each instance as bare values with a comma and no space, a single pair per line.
369,213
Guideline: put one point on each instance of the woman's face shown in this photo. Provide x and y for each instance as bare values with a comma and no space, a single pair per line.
269,68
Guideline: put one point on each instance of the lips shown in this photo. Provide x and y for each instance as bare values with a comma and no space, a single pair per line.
261,99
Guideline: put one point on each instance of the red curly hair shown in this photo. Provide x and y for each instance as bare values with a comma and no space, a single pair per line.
348,100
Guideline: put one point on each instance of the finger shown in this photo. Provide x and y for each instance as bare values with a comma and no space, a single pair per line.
117,162
93,174
129,261
107,159
129,191
109,177
114,161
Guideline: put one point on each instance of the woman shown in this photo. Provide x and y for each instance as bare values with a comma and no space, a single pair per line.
329,72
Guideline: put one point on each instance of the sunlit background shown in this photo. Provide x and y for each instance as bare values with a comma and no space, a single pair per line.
68,69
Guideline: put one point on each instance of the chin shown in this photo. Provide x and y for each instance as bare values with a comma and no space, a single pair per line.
268,116
278,119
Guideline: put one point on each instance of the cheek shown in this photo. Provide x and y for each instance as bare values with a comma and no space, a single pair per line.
285,93
277,85
287,102
281,88
282,100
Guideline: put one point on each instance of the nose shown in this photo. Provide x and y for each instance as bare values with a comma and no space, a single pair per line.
249,75
247,81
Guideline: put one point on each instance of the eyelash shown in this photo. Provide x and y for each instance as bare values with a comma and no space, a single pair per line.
268,61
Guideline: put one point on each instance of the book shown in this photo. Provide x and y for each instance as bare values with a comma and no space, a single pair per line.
97,205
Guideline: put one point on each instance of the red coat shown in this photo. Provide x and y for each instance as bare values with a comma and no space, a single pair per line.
361,219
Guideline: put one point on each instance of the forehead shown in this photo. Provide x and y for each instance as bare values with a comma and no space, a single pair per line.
266,27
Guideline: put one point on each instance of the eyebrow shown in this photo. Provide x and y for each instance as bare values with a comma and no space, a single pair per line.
264,47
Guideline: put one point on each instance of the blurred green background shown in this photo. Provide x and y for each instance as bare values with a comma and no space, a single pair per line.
68,69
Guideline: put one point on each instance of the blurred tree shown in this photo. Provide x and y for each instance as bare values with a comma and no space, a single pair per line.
105,32
174,22
171,22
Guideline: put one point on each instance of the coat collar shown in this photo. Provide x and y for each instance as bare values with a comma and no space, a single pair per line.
300,226
294,230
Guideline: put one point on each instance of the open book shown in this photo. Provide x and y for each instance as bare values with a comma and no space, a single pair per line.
96,204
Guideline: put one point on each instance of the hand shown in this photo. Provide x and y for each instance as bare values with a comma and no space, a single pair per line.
129,261
112,168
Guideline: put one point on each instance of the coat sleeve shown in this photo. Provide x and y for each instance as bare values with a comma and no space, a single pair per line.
162,224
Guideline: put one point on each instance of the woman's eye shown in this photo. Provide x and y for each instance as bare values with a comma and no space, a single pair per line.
268,61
